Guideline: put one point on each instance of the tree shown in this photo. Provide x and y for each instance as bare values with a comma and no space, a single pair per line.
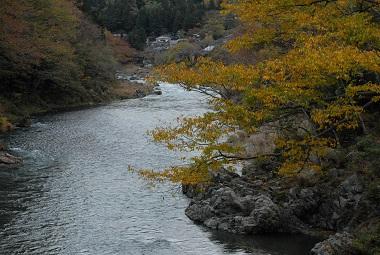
155,17
137,38
50,55
311,92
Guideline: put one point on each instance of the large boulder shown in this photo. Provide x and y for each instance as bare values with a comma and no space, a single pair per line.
199,211
265,216
225,201
338,244
226,210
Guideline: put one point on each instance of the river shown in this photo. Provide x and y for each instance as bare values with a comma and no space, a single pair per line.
75,195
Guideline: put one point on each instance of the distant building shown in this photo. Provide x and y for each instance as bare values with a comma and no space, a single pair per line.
161,43
163,39
209,48
196,36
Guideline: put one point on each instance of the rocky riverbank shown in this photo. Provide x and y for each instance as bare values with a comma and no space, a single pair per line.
133,86
7,160
336,208
132,83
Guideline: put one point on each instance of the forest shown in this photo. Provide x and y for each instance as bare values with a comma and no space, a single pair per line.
55,53
51,56
305,105
139,19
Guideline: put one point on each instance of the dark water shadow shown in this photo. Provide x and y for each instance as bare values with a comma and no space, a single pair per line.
274,244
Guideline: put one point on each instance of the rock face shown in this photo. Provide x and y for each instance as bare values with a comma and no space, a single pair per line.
8,161
245,205
338,244
225,210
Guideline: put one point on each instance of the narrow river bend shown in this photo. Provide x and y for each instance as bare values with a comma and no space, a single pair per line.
75,195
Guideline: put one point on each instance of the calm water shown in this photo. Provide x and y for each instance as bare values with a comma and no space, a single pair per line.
74,195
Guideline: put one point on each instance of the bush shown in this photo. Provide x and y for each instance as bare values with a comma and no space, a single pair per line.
214,26
5,125
183,51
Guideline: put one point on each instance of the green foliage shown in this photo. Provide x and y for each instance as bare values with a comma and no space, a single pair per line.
230,21
183,51
51,56
365,155
150,18
137,38
214,26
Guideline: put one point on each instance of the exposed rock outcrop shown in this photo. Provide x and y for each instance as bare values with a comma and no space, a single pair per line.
245,205
338,244
225,210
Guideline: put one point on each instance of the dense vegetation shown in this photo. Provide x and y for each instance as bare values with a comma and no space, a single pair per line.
140,19
50,56
301,103
314,88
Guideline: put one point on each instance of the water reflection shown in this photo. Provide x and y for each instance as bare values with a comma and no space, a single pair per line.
274,244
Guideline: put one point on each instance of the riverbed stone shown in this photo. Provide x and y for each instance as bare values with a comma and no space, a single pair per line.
200,211
225,201
8,161
265,215
338,244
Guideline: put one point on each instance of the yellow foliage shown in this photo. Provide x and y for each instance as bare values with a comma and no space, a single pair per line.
327,72
5,125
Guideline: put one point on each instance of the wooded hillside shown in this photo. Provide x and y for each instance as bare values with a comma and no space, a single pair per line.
139,19
50,56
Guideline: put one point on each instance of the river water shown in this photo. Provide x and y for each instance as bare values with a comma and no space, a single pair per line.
75,195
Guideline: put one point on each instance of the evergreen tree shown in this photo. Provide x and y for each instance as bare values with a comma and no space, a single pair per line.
137,38
154,17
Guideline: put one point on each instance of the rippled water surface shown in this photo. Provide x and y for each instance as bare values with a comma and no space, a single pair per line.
75,195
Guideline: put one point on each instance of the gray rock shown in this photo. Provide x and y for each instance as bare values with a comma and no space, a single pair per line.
225,201
302,201
226,211
223,176
244,205
352,185
9,161
338,244
200,211
248,204
265,217
212,223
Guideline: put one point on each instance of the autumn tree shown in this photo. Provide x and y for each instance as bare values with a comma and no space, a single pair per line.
50,56
320,79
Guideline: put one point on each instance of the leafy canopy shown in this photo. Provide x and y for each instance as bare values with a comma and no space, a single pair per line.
50,55
323,77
